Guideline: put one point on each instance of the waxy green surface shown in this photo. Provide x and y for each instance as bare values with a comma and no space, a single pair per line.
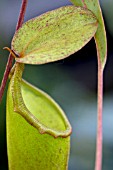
100,36
37,128
54,35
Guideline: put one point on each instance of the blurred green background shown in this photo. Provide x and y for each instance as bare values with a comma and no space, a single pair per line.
71,82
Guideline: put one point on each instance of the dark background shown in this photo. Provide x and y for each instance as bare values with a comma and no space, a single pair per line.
71,82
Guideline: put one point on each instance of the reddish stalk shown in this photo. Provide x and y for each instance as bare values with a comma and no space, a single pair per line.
98,161
10,59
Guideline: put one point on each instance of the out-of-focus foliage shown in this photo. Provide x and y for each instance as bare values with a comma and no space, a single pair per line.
107,6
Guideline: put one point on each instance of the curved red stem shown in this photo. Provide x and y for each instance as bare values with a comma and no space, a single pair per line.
10,59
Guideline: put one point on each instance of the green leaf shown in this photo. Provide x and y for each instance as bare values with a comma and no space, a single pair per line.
100,36
54,35
37,128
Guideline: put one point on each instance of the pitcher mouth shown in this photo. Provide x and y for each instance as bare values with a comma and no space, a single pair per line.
33,119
